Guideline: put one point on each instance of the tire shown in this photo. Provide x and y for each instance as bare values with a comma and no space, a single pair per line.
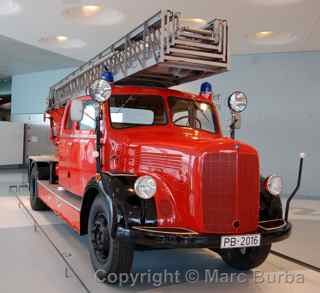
246,259
108,255
37,173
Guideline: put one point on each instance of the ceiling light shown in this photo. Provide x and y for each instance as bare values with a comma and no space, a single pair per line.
264,35
61,38
271,38
62,42
9,7
93,15
91,10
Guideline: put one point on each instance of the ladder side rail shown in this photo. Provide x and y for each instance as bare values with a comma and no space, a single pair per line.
102,55
160,41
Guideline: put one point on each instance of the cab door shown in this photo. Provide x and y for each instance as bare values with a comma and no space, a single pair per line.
65,149
83,147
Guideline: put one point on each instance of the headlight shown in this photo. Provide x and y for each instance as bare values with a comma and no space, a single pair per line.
274,185
238,102
100,90
145,187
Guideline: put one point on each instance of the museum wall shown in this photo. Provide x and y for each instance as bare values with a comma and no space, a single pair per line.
282,116
29,91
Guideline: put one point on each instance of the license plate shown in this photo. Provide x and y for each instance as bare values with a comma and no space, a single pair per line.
249,240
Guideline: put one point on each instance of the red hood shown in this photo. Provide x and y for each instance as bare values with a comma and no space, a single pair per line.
175,157
180,139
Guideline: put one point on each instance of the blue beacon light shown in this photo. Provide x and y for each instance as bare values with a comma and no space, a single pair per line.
107,76
206,89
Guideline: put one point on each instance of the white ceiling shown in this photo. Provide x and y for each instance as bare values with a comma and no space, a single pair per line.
43,18
18,58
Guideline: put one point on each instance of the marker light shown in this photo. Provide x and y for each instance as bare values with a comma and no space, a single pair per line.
145,187
274,185
238,102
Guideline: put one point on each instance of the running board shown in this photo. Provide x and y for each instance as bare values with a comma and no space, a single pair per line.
64,203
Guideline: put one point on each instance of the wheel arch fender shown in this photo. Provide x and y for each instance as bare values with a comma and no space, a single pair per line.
34,163
93,189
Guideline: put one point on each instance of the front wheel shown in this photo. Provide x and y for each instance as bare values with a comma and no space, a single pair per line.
109,257
245,258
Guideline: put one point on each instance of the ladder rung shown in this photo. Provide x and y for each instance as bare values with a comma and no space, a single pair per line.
195,62
194,36
196,44
198,31
197,53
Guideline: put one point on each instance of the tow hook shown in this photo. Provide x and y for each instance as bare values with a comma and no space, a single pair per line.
302,156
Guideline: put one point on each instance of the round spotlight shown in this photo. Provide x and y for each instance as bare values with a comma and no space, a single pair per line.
100,90
237,102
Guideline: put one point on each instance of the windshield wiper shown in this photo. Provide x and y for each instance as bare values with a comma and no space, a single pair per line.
124,104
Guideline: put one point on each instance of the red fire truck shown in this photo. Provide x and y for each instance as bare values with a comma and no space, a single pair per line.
138,165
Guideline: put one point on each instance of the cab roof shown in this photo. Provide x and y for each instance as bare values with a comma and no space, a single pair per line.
145,90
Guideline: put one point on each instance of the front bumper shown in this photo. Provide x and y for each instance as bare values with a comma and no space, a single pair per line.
270,232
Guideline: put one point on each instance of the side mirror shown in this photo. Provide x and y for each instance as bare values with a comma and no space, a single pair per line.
76,110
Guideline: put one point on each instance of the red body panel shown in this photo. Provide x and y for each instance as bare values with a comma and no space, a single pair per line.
206,183
60,208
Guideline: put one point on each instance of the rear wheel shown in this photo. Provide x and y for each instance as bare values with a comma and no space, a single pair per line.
37,173
109,256
245,258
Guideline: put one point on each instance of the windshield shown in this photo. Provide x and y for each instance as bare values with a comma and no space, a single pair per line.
191,113
136,110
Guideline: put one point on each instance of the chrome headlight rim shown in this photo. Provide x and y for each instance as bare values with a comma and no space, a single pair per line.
100,90
145,187
236,105
270,186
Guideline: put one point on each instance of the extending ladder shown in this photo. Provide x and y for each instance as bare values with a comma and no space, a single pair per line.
160,52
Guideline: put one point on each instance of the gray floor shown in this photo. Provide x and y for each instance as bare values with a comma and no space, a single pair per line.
30,264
